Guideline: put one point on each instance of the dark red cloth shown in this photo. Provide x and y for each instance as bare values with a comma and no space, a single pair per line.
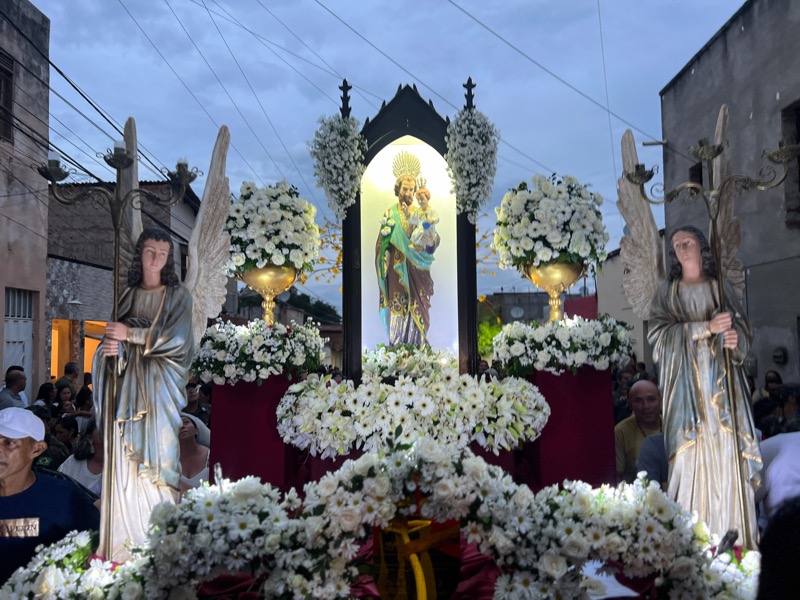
245,438
585,307
241,586
578,440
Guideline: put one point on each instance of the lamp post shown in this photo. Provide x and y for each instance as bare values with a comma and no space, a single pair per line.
119,160
713,198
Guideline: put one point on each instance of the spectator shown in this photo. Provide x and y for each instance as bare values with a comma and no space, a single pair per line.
780,547
788,399
780,456
771,389
35,508
10,396
194,438
56,452
63,396
623,382
644,401
86,465
46,395
193,405
70,378
486,372
763,408
653,459
84,413
337,376
205,394
21,369
66,432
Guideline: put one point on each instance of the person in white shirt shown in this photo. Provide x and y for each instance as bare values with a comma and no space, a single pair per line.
781,470
86,465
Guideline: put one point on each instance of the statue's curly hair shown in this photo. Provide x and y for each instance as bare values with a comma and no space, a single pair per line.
706,255
135,272
399,182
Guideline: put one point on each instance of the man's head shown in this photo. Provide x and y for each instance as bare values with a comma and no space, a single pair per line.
71,370
16,381
21,441
773,383
644,400
404,189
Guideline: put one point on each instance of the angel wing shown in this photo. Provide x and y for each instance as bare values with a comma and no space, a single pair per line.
131,224
731,268
640,249
209,243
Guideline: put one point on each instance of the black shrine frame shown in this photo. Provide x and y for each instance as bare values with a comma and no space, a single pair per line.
406,114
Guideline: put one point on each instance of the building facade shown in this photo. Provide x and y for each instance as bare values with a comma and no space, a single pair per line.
24,113
750,65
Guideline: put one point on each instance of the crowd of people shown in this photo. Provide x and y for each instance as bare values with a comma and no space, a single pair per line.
52,454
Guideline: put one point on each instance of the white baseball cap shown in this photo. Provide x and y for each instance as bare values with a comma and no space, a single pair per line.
17,423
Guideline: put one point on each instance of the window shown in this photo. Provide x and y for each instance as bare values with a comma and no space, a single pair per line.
696,173
6,96
19,304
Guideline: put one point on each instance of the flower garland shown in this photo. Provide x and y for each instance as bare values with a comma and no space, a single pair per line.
471,159
557,346
406,359
306,549
558,220
271,225
330,420
339,151
230,353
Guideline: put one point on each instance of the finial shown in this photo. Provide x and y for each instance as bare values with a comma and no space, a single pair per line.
345,87
469,96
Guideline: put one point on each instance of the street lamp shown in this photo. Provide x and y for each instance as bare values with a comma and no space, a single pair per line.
119,160
768,178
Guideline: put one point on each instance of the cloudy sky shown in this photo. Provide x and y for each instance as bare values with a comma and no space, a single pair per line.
545,71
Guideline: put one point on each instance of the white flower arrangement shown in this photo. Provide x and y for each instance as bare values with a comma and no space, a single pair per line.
557,346
329,419
557,220
305,549
230,353
271,225
471,159
406,359
339,151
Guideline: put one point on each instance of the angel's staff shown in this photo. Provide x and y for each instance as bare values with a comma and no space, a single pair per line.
719,205
124,201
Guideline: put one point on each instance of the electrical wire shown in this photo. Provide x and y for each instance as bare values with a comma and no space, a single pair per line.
188,89
224,89
263,110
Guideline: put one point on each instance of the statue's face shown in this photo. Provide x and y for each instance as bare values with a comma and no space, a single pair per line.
406,193
422,200
687,249
154,256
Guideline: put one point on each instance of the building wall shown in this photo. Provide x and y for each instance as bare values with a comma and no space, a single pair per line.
750,65
23,193
611,300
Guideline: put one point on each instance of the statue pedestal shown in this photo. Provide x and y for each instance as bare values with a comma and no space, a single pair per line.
245,438
578,440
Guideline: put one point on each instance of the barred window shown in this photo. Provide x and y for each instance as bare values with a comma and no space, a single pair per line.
19,304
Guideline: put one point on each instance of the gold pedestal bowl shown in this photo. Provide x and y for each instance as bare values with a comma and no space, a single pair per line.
269,281
554,279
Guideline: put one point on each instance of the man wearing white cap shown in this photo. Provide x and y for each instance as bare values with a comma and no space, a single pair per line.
35,508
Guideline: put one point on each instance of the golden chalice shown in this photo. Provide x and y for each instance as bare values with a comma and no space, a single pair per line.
269,281
554,278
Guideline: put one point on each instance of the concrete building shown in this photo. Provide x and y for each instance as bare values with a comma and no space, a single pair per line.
750,65
24,113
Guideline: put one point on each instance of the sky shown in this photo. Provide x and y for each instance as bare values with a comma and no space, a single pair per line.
547,72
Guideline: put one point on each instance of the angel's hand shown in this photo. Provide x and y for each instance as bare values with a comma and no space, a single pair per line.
110,347
117,331
720,323
730,339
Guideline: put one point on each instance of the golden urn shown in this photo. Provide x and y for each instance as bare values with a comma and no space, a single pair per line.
269,281
554,278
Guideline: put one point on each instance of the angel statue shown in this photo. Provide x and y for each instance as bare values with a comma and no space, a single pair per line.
153,341
714,463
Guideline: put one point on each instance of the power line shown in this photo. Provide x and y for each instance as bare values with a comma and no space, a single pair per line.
224,89
414,77
326,63
188,89
263,110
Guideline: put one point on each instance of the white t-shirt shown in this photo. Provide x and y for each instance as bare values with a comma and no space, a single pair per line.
79,471
781,474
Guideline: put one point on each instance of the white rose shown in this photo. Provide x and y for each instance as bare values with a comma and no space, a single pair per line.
553,564
247,488
49,582
517,349
348,518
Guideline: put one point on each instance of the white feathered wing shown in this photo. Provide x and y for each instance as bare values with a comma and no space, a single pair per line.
641,249
209,244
